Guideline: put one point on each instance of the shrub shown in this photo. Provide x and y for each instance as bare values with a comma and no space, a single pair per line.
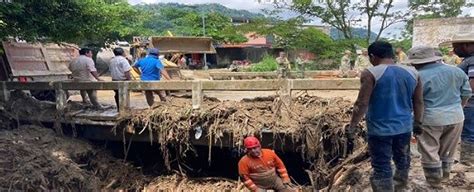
268,63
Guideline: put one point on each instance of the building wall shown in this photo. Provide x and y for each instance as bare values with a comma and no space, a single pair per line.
432,32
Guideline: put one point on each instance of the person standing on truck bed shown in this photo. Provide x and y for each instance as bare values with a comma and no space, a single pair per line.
83,70
119,69
388,95
152,69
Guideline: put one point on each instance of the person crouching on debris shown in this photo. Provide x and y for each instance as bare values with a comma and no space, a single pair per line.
388,95
152,69
446,90
259,166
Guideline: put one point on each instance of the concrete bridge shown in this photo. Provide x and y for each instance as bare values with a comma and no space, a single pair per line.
97,125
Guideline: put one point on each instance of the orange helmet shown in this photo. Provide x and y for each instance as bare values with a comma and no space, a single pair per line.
251,142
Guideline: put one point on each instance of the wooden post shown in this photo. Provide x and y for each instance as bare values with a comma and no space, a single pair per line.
124,98
60,97
197,94
4,92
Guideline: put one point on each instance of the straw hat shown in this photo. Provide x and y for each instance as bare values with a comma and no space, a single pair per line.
467,37
422,54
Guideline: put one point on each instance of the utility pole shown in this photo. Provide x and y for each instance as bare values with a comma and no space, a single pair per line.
204,34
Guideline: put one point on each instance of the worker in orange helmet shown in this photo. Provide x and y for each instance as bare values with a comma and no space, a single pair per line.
259,166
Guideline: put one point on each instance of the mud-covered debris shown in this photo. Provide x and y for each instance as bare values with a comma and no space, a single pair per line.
315,125
35,158
458,180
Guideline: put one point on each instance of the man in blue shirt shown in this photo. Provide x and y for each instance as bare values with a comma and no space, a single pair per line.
446,90
151,69
389,96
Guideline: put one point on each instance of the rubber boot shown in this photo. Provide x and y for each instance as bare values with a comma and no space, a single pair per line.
446,171
400,180
433,177
467,153
382,185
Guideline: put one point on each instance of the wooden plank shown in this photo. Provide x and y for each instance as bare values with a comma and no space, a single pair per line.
242,85
326,84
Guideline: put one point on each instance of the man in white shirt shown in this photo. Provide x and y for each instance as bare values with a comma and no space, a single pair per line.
83,70
119,69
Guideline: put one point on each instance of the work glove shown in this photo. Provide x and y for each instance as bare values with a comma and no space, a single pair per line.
417,128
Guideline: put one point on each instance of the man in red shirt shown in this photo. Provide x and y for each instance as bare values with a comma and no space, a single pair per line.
259,166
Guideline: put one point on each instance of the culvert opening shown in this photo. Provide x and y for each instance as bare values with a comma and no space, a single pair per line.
194,164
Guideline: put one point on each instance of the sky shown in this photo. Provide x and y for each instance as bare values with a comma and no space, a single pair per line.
250,5
255,6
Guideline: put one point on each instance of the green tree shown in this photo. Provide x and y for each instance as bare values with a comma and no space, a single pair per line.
315,41
344,15
80,22
291,35
187,22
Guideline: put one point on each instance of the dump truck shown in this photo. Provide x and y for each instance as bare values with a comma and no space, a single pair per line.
26,62
172,45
